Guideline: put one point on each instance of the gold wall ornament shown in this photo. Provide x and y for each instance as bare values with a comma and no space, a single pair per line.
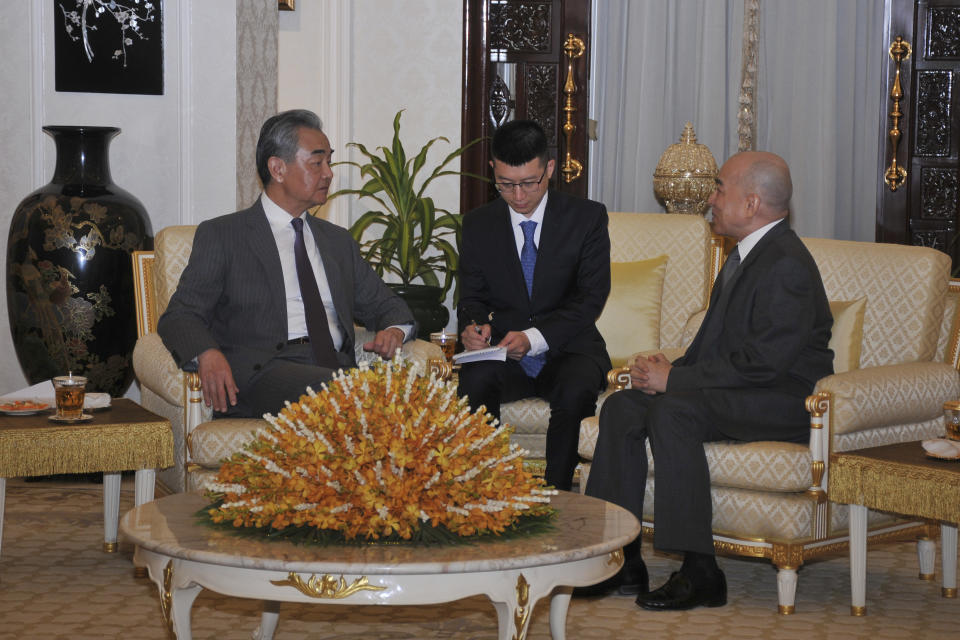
686,175
573,48
326,586
895,175
523,610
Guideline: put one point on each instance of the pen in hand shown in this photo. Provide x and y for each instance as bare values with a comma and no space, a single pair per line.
476,327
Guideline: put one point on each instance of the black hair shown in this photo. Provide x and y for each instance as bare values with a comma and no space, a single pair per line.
518,142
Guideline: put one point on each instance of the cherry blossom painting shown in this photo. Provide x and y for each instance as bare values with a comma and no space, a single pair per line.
109,46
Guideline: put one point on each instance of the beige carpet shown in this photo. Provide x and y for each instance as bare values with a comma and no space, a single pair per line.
56,583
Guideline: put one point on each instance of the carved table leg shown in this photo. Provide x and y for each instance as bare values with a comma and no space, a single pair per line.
3,499
111,510
144,486
180,606
948,540
559,604
858,560
268,621
927,557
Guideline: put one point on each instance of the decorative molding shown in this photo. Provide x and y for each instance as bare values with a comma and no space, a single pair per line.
935,239
333,69
747,111
943,34
326,586
938,192
37,74
933,113
540,87
521,614
521,26
257,35
184,118
501,102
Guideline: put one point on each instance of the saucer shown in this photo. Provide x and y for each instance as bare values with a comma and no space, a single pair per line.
84,417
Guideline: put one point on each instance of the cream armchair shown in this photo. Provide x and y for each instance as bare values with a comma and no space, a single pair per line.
199,442
895,335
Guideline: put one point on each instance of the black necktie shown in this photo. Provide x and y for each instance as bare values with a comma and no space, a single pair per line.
317,327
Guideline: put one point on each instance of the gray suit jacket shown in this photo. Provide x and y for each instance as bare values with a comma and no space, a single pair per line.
231,294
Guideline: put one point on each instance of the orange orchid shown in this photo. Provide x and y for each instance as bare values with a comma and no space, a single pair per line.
380,452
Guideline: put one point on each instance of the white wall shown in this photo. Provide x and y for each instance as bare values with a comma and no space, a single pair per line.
176,151
385,56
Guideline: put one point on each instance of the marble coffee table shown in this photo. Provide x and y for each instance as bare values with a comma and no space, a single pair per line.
183,557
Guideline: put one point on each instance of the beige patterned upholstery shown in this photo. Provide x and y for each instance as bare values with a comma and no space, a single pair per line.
199,442
687,242
769,500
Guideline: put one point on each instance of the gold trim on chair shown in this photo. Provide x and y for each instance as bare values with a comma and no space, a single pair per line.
145,298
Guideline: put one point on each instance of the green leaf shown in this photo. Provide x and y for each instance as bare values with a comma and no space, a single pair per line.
417,239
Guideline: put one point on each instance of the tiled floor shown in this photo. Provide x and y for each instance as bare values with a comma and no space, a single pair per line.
55,582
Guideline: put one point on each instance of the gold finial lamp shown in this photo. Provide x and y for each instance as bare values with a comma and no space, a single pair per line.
686,175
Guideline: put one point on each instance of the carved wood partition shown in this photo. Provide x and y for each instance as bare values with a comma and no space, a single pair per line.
919,173
521,63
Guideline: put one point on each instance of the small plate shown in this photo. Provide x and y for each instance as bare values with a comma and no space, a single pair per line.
946,458
84,417
25,412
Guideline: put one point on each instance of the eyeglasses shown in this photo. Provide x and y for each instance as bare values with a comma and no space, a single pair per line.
529,186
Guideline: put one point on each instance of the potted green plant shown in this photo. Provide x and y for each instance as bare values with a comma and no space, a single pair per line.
411,237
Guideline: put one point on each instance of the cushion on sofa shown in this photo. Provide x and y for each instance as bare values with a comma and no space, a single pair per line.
630,320
847,335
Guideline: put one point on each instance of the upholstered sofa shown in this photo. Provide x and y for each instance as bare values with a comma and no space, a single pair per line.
199,442
895,336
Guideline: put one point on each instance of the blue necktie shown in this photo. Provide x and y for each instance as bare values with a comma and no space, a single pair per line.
528,261
317,326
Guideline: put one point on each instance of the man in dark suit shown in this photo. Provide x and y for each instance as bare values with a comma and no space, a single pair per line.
534,276
760,350
267,302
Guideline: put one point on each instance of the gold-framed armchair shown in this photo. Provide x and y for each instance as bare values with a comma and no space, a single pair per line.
200,443
896,340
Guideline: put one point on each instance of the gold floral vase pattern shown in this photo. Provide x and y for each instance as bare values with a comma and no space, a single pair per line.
69,276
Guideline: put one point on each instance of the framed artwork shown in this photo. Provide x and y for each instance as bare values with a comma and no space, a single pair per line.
287,5
108,46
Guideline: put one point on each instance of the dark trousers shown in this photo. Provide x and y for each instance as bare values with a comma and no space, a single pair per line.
284,377
570,382
677,424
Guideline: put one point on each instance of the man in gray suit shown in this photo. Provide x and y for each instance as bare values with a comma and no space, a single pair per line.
267,302
760,350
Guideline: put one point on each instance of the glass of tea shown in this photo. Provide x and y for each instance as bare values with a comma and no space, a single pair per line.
446,341
70,391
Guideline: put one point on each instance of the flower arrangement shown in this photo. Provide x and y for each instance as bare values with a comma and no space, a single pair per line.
381,454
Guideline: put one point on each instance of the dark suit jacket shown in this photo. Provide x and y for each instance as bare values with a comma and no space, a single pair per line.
763,345
231,295
570,282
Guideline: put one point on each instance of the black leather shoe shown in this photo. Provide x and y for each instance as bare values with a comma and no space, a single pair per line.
679,594
630,580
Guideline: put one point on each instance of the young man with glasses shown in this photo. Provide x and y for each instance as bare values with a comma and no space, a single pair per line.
534,276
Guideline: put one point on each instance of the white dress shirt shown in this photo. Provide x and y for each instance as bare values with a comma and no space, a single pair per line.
750,241
284,235
538,344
